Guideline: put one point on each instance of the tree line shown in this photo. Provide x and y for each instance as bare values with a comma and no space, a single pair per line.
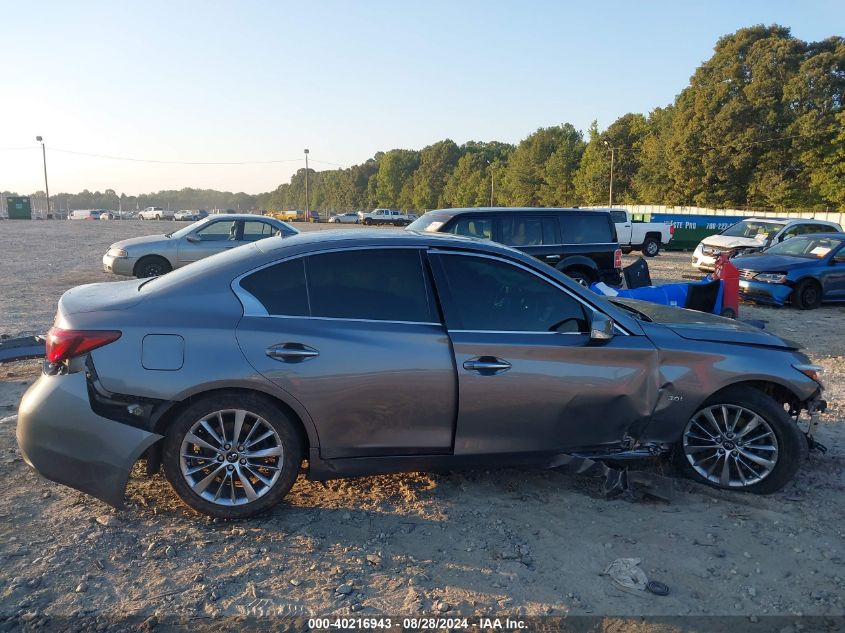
761,125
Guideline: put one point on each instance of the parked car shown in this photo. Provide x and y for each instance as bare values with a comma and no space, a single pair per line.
579,242
384,216
345,218
231,372
647,237
314,216
107,215
155,213
154,255
805,270
85,214
754,235
190,215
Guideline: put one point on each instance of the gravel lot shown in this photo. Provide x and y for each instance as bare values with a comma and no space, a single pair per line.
484,542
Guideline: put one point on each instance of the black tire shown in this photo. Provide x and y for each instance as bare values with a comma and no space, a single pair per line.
367,221
651,247
579,276
255,404
791,444
158,216
152,266
807,295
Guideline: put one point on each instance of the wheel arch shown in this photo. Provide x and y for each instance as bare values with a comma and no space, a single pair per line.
304,424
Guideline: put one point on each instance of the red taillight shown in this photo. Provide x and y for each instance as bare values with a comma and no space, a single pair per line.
671,229
617,258
65,344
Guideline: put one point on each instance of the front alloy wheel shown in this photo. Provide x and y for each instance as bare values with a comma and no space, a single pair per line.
730,446
741,439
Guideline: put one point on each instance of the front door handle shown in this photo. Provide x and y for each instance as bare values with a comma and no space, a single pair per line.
487,365
291,352
552,258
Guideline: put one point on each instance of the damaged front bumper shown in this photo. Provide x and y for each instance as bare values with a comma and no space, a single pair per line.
64,440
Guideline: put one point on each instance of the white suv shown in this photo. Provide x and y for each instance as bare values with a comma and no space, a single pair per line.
752,235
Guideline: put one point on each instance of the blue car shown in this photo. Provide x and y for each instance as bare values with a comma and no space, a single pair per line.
804,270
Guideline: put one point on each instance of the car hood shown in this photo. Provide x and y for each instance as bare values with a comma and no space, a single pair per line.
144,240
775,263
727,242
701,326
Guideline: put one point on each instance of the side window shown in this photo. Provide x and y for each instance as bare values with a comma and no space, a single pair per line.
491,295
218,231
280,288
258,230
381,285
586,229
619,217
522,231
473,227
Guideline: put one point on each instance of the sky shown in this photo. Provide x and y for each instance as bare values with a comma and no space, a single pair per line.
210,82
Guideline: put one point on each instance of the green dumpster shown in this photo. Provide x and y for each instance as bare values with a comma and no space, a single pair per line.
18,207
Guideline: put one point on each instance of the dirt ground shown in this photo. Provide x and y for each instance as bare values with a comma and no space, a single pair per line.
516,542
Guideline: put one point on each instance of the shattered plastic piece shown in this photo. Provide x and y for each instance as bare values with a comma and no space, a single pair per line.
631,483
626,573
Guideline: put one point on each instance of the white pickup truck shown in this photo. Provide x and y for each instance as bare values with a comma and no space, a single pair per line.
647,237
155,213
385,216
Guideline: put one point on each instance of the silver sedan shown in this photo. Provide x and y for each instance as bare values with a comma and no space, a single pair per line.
345,218
153,255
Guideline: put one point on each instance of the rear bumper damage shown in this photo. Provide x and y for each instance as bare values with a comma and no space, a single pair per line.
64,440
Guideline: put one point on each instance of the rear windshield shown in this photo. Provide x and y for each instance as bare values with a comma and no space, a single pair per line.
428,222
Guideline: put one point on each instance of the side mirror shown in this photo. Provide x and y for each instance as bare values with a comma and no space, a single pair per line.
193,239
601,327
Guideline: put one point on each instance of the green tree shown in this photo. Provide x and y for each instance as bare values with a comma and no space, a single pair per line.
394,186
436,163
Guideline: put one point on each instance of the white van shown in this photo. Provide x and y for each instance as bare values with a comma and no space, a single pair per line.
85,214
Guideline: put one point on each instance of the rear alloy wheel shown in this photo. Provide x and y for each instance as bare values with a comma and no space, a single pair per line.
651,247
232,456
152,266
741,439
807,295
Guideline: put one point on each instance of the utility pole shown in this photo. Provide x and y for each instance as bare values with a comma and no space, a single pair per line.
491,182
307,210
610,201
44,157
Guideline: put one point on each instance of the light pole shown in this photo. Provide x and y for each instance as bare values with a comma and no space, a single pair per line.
491,182
44,157
611,173
307,210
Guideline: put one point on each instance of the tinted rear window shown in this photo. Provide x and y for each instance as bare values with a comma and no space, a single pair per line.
586,229
383,285
280,288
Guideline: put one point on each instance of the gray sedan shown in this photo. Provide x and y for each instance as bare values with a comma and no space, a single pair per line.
378,351
153,255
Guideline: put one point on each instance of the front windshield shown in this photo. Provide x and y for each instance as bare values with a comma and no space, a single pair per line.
806,246
428,222
188,229
753,229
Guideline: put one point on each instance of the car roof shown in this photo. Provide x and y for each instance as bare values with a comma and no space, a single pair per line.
786,221
240,216
450,213
314,241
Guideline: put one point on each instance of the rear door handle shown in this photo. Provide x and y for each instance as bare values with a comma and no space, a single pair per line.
487,365
552,257
291,352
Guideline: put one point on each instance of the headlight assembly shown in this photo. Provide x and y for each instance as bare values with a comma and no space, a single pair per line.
771,278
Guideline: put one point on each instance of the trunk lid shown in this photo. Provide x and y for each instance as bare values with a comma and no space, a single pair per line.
113,295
